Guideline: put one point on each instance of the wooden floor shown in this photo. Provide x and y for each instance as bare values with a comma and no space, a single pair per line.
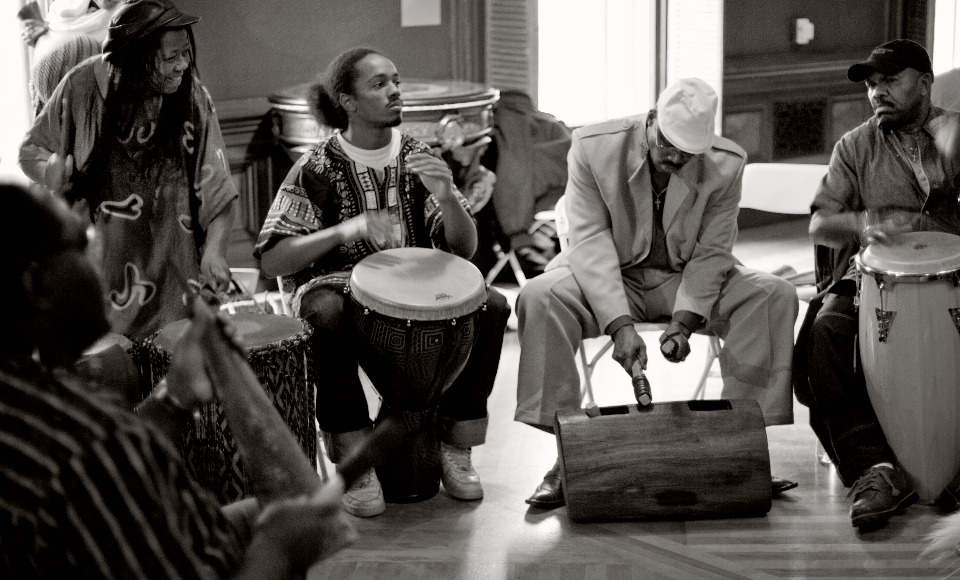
807,533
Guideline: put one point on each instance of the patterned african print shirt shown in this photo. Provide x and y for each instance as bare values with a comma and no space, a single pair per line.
88,490
151,213
326,187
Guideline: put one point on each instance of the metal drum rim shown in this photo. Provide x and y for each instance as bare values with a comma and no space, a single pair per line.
904,277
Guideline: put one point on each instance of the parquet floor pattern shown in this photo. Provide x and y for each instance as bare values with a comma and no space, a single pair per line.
806,534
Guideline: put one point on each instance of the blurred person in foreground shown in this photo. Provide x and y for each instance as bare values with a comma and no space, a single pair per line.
94,491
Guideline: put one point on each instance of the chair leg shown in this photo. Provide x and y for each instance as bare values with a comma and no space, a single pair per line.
517,270
586,389
502,260
713,351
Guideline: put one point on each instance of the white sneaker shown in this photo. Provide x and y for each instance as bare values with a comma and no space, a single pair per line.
458,476
364,499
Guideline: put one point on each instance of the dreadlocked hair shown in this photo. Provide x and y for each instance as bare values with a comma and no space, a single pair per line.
132,80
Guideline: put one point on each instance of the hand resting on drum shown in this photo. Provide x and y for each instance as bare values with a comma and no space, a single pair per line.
295,253
881,228
839,229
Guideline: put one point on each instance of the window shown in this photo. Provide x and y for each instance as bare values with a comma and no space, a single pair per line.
946,49
596,59
14,97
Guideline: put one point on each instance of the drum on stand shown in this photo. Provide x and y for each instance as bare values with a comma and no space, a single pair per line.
415,311
279,353
909,340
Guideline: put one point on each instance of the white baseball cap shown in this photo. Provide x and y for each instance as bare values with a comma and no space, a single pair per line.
686,113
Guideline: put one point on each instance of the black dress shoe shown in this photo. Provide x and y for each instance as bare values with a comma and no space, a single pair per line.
549,494
781,485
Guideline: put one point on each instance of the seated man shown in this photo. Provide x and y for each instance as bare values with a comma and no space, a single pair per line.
366,188
891,166
652,202
93,491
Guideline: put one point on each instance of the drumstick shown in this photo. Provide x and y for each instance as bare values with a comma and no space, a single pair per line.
641,386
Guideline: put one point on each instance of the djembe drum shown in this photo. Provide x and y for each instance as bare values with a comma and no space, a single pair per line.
278,352
910,351
415,312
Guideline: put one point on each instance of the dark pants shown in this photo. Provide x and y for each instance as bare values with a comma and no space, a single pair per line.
341,404
840,410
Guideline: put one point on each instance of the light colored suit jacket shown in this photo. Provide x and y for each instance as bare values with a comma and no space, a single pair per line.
611,216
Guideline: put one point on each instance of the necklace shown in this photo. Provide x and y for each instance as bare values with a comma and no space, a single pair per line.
658,198
912,145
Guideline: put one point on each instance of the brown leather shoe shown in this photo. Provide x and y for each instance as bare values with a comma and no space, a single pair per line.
778,485
549,494
880,493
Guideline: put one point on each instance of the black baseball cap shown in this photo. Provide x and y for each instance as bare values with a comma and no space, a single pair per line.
890,58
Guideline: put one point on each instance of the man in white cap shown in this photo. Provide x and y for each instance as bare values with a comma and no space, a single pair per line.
652,202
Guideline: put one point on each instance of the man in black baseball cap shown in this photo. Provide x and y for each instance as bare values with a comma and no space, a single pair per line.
898,76
892,174
890,58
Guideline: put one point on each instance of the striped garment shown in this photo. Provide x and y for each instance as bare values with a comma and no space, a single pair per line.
88,490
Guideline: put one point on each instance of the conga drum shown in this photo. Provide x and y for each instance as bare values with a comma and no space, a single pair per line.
279,353
909,324
415,312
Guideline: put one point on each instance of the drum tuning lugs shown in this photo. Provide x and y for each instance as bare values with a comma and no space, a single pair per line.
955,316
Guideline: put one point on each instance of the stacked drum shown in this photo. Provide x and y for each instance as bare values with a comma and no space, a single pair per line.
442,114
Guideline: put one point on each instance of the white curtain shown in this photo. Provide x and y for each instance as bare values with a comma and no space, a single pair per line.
946,48
695,43
596,58
14,99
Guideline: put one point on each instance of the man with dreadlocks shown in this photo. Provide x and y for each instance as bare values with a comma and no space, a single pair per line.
135,135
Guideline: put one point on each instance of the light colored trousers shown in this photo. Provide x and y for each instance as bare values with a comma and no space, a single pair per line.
754,315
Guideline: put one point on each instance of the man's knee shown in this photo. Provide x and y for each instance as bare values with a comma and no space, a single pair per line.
324,308
498,309
541,293
783,294
836,323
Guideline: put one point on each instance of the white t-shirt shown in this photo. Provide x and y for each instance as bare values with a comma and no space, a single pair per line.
376,159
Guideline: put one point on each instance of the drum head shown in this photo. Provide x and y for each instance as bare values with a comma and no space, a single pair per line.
418,284
915,253
256,330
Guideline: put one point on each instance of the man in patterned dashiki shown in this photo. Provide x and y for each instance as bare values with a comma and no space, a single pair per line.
137,136
91,490
370,187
